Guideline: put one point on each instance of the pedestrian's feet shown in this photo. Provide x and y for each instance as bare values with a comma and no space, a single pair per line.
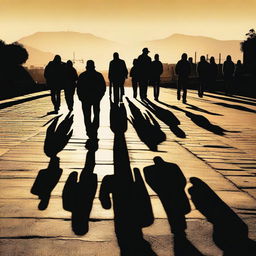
70,109
184,101
178,97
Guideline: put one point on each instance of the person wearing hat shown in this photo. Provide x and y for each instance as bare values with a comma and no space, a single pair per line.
144,67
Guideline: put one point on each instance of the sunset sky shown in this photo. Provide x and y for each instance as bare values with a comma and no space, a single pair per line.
130,20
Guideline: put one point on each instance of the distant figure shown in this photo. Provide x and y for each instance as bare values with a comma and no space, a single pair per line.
156,71
183,70
168,181
134,76
70,84
144,68
53,73
192,67
228,72
117,74
91,87
203,73
213,73
239,70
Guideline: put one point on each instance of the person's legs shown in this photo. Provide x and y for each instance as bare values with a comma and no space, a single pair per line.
179,86
134,87
96,119
184,87
69,96
87,117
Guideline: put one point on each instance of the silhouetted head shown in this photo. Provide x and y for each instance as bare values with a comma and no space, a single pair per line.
202,58
156,56
184,56
239,62
212,60
69,63
158,160
135,61
90,65
190,59
145,50
228,58
116,56
57,59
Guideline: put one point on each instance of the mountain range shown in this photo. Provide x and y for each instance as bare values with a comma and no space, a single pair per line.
42,47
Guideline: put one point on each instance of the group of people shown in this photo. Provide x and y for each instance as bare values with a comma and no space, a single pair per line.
91,85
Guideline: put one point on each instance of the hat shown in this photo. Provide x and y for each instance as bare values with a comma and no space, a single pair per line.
145,50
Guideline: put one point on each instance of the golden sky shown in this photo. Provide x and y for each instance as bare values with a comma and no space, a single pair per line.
130,20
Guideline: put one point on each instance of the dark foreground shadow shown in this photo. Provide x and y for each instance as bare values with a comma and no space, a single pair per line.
78,195
131,202
193,107
168,181
146,126
165,116
230,233
57,137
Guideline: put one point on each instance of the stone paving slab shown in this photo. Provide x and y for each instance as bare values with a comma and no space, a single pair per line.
226,163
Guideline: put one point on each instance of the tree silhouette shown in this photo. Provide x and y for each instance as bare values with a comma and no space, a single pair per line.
248,47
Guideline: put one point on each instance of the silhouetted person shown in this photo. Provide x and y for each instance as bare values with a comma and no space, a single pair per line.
228,72
144,68
239,70
156,71
54,73
117,74
70,84
91,87
213,73
135,78
168,181
183,70
203,73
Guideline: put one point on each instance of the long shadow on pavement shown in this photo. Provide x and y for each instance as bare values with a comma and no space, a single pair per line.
168,181
131,202
165,116
147,128
238,107
230,233
57,137
201,121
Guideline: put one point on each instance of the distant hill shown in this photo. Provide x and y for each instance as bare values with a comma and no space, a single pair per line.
37,58
87,46
171,48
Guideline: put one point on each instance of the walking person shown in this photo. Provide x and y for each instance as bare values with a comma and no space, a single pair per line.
134,76
156,71
144,67
238,75
117,74
228,72
70,84
183,70
53,73
91,87
213,74
203,73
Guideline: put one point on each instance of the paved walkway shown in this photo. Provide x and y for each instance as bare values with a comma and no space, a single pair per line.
219,148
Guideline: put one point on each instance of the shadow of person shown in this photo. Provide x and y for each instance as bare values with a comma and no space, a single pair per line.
168,181
131,203
56,139
202,122
230,233
165,116
78,196
146,126
193,107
